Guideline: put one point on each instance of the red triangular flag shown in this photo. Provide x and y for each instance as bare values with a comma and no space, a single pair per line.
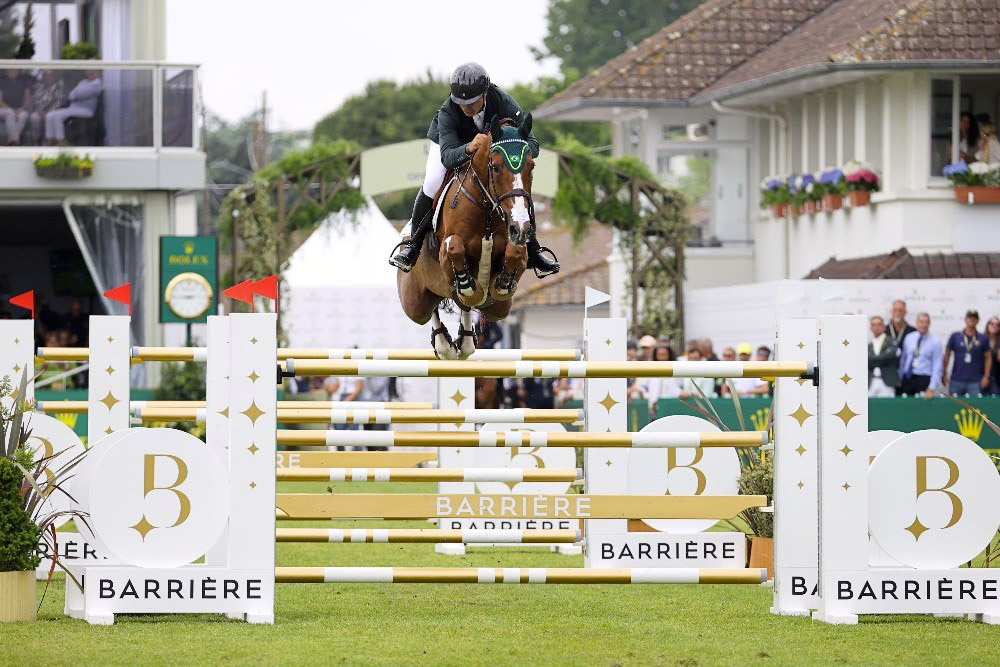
121,294
25,300
267,287
242,292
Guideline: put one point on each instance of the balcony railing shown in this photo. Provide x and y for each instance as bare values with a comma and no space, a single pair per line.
99,104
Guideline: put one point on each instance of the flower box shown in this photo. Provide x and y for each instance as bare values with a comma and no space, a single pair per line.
832,202
62,171
977,194
779,210
811,207
796,210
859,197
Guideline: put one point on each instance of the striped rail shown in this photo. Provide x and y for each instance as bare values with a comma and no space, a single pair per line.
550,369
513,575
365,416
521,439
426,536
394,459
428,475
80,407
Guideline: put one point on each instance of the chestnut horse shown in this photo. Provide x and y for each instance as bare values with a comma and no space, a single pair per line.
477,251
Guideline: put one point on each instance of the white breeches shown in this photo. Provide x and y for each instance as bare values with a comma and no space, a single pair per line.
434,171
15,120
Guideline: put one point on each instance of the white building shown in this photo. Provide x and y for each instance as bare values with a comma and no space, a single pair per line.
73,238
759,88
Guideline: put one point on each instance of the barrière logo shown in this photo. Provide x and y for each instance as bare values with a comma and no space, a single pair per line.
143,527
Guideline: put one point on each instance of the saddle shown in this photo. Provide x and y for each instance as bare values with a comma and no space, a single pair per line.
431,242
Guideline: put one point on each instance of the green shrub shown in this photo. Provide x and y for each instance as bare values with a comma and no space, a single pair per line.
758,480
19,535
79,51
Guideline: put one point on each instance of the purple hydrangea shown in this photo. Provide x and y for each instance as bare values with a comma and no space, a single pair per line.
831,177
955,168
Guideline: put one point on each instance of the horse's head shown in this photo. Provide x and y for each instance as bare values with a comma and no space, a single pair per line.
510,166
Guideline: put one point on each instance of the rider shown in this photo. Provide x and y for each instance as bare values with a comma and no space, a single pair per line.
458,129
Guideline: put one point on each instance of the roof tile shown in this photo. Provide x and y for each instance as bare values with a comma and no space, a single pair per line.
900,264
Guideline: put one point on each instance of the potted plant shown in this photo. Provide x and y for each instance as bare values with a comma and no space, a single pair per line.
976,183
861,181
774,193
811,193
27,524
833,186
794,196
65,165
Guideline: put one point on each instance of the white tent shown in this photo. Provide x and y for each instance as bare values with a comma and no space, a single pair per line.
341,290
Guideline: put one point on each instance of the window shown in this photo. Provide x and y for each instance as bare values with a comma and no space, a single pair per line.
964,111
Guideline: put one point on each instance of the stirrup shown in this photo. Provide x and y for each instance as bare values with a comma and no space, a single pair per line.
555,260
405,268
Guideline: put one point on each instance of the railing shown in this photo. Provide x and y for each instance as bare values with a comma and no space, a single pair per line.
99,104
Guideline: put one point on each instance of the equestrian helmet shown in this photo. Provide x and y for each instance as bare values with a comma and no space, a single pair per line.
468,82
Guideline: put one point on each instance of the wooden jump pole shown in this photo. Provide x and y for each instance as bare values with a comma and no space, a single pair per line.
522,439
491,506
340,416
393,459
428,475
80,407
549,369
426,536
513,575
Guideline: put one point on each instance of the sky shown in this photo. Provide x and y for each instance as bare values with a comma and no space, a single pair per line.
310,55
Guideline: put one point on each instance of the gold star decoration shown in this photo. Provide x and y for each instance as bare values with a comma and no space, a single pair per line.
801,450
110,400
458,397
18,340
109,430
253,485
143,527
17,368
800,485
225,412
253,412
253,448
608,402
253,377
845,378
846,486
846,450
846,414
800,345
253,340
845,342
801,381
608,463
607,342
111,339
109,370
916,529
801,414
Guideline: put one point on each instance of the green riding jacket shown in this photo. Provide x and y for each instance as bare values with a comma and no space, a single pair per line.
452,130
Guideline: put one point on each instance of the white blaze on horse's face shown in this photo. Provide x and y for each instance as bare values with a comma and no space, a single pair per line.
519,214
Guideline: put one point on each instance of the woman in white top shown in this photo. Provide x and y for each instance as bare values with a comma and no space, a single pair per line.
83,101
989,147
657,388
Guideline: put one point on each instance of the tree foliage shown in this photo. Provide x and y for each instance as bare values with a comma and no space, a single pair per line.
10,38
386,112
26,49
227,146
18,533
585,34
532,95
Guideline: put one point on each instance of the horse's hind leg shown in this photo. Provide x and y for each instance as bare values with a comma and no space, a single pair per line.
441,341
465,345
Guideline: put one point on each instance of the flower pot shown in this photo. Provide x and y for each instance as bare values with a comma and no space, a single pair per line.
779,210
762,554
832,202
63,172
795,210
977,194
859,197
811,207
17,596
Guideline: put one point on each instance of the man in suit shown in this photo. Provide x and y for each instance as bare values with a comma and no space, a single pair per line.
897,330
921,365
883,366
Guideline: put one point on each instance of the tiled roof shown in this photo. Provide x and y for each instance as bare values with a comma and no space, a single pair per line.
900,264
583,265
694,51
729,42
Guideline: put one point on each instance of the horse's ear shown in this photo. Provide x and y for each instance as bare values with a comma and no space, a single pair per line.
495,129
524,129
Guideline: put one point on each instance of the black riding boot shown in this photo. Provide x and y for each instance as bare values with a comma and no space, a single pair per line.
538,258
405,254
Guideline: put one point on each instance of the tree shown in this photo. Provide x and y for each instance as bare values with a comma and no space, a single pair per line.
585,34
9,36
386,112
26,50
532,95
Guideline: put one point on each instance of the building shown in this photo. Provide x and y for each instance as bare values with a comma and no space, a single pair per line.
71,233
744,89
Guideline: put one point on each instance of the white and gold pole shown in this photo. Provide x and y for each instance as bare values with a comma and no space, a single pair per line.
508,475
426,536
513,575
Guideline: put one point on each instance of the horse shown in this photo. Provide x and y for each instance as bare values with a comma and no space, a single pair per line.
476,254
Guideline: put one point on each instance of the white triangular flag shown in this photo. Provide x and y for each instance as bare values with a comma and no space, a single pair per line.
831,289
789,292
593,297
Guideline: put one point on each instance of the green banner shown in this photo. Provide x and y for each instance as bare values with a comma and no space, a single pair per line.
896,414
189,278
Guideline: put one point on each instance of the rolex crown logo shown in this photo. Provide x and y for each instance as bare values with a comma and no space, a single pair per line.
970,424
188,248
759,419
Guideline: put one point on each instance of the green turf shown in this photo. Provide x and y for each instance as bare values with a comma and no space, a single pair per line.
482,624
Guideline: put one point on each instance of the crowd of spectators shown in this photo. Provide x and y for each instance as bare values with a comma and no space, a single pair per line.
59,329
34,109
907,360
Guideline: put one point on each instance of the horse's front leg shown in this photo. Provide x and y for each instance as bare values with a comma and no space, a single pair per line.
456,267
515,261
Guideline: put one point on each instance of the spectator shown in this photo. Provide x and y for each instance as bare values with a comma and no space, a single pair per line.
15,100
691,345
993,336
705,347
989,148
746,387
657,388
897,330
46,96
347,388
568,389
763,353
83,100
968,137
883,369
536,393
77,324
632,354
729,354
691,385
375,389
648,345
921,362
973,365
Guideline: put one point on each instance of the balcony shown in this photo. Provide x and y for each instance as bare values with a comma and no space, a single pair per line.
138,121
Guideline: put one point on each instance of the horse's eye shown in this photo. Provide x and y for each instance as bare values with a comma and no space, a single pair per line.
496,169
